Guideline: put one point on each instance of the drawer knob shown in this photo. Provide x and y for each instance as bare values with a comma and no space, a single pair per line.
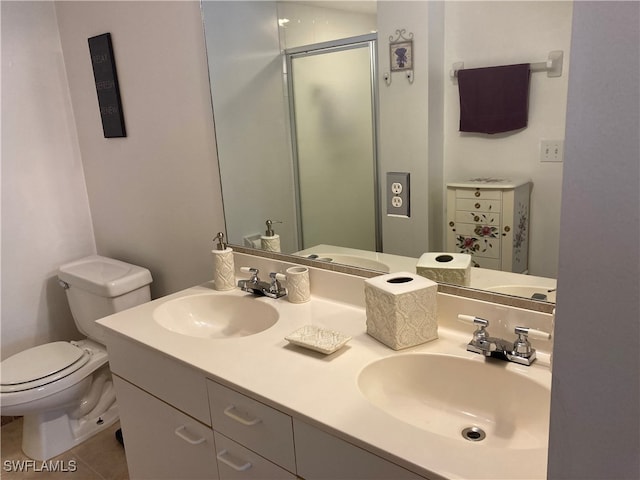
451,224
507,228
228,460
477,194
181,432
477,205
239,417
476,218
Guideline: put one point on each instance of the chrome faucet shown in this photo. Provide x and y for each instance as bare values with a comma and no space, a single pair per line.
254,285
519,351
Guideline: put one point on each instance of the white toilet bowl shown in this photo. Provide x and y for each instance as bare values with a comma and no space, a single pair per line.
64,390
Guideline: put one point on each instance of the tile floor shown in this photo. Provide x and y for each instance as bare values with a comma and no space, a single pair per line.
99,458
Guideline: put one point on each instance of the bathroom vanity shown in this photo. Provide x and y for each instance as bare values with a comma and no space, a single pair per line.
236,401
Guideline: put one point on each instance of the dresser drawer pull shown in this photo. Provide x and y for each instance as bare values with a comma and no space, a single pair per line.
232,413
181,431
228,460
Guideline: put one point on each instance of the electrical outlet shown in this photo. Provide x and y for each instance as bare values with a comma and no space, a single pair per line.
551,150
398,194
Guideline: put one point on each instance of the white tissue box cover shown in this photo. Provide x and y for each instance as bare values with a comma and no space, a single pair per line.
401,315
455,269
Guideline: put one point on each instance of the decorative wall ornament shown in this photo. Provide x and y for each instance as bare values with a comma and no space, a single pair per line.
400,55
107,88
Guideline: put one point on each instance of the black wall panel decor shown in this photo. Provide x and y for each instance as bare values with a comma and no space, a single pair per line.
106,77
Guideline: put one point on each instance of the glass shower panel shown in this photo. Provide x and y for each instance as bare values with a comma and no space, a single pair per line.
334,130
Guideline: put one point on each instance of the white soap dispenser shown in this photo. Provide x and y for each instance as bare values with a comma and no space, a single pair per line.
223,267
270,241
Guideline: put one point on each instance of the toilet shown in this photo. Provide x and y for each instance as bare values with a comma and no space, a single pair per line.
63,389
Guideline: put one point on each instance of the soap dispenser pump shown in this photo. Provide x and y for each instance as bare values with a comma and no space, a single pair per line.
223,267
270,241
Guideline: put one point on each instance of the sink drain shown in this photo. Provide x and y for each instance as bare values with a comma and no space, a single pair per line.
474,434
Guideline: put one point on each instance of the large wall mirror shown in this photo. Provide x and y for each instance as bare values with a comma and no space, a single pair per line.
310,119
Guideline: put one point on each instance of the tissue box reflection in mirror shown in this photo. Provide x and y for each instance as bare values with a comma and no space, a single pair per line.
452,268
401,309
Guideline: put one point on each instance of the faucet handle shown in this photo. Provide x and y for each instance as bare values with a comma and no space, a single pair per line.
481,322
481,334
253,271
533,333
275,287
523,352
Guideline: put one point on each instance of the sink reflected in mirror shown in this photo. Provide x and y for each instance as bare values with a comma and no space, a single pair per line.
534,292
351,260
463,399
216,316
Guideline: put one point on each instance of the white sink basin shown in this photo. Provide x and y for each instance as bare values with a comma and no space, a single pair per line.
445,395
527,291
353,261
216,316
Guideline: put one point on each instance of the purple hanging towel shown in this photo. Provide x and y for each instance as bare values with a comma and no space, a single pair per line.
494,99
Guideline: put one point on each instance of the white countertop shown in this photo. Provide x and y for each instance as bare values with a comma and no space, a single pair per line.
323,391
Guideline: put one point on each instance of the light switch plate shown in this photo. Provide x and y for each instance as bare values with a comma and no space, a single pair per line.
551,150
397,194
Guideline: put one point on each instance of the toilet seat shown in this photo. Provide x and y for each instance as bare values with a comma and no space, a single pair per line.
38,366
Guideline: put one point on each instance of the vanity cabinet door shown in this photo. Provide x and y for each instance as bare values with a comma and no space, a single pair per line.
253,424
160,441
322,456
236,462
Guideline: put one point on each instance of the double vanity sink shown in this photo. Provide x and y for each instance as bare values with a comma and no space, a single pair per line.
434,410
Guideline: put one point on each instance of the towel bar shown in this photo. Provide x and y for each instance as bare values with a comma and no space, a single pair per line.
553,65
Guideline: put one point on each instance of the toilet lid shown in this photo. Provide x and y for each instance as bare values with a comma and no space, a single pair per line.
40,365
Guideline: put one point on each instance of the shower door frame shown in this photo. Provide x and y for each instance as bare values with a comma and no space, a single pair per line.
361,41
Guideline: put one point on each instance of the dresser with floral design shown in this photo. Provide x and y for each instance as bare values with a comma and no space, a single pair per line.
489,219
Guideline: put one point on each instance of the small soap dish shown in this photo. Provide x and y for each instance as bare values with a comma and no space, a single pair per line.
318,339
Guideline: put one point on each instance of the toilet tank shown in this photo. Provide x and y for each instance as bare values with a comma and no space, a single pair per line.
99,286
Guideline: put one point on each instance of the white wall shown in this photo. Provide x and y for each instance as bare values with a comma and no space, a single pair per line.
488,33
595,404
154,195
309,24
45,210
404,119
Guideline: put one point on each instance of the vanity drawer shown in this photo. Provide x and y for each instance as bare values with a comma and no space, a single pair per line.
255,425
479,193
166,378
238,462
478,205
